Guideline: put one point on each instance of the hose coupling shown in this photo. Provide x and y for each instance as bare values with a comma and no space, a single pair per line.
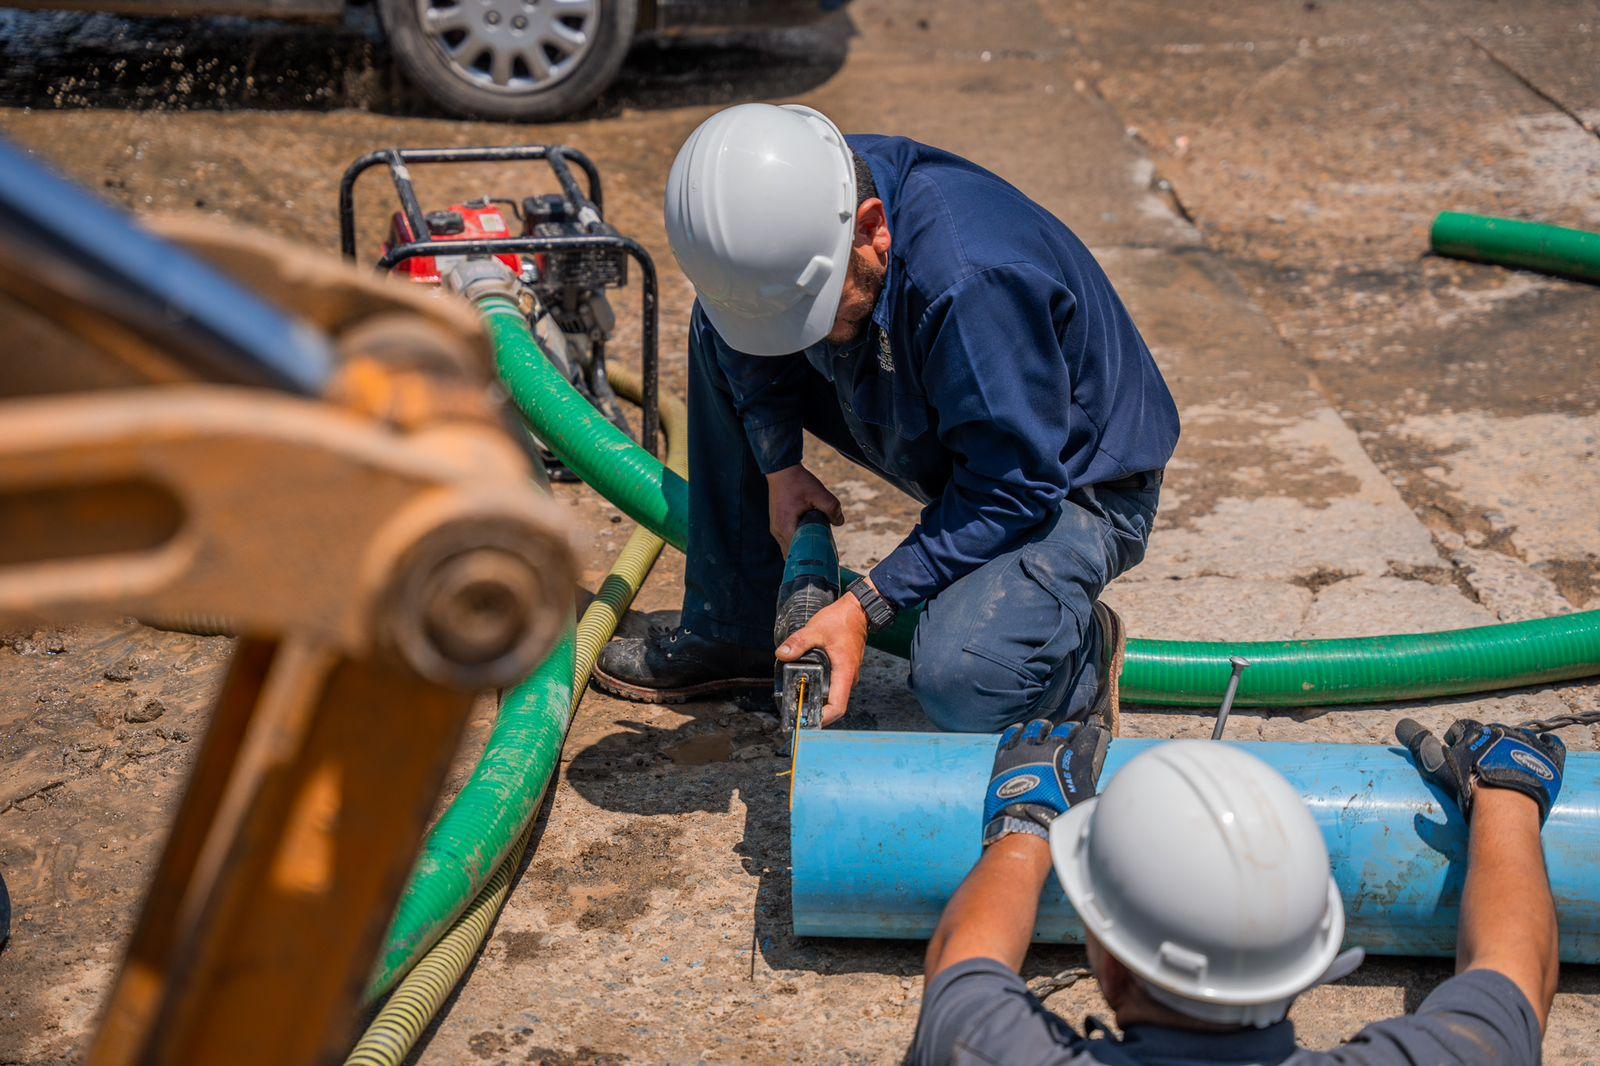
478,276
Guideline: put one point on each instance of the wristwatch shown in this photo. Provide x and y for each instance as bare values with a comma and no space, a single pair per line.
880,612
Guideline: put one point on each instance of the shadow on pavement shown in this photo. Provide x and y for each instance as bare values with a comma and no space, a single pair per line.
727,750
71,60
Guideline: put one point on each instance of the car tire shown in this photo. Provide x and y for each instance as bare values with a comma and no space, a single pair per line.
456,53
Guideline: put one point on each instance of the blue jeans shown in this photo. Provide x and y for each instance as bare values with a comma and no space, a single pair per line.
1012,641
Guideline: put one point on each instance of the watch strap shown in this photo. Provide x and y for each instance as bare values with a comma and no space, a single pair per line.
880,613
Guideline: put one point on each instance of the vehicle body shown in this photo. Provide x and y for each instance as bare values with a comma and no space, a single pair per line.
528,60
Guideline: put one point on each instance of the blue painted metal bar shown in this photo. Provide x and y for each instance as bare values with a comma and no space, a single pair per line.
884,826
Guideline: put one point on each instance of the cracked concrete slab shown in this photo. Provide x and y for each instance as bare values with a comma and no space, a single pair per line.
1300,131
1554,56
1535,479
1268,481
1347,608
1313,148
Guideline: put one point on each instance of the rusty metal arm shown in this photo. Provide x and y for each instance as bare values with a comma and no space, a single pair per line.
384,555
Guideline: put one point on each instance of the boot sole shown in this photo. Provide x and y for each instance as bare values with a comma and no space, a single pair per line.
728,686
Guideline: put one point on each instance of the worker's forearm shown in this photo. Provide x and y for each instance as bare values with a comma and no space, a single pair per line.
992,914
1508,918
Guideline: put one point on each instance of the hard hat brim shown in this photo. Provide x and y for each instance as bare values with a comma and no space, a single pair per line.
797,328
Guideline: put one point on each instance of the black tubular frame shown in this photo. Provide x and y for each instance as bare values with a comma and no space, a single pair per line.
397,160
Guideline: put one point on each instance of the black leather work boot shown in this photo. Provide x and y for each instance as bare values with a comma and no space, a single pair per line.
671,665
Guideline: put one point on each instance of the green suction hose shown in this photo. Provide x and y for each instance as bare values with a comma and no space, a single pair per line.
1181,673
427,984
459,920
1571,253
476,832
479,828
1410,666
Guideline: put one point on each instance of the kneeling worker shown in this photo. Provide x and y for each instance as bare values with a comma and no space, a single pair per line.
1203,883
933,324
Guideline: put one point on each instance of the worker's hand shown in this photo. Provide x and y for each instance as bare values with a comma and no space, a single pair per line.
1040,771
1474,756
840,630
791,492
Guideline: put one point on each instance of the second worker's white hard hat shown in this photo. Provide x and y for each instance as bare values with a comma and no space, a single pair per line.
760,211
1200,869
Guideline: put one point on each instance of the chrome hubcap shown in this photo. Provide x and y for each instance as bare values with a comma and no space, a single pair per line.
511,46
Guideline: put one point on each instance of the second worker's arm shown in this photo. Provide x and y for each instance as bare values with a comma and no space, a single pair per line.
1039,772
1505,780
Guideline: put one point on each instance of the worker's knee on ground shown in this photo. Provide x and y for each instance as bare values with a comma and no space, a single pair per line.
963,692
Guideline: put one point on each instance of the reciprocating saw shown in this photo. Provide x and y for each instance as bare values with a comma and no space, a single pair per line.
810,583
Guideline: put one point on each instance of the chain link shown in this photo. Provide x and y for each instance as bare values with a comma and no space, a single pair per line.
1560,721
1045,987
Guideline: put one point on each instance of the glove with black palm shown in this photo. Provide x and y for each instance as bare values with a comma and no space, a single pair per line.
1474,755
1040,770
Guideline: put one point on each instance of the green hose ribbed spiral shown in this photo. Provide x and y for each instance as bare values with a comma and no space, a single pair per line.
455,891
426,985
477,831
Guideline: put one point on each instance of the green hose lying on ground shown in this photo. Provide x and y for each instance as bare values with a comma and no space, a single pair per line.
1179,673
458,920
553,691
478,830
1571,253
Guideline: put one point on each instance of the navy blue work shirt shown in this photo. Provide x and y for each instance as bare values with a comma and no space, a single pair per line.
999,371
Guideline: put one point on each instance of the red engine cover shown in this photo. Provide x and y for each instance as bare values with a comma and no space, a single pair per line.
481,221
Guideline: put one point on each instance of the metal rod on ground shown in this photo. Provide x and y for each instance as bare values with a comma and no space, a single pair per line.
1227,697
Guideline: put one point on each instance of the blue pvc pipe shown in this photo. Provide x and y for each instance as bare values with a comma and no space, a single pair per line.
884,826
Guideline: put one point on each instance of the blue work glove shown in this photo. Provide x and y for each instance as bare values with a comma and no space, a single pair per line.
1474,755
1039,771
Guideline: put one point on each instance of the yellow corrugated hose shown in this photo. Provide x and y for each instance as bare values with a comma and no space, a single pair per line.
418,997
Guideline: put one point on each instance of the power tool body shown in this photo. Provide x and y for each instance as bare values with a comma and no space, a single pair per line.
810,583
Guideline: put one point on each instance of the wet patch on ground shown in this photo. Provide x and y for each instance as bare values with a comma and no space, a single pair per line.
519,945
1390,342
57,59
1321,578
1218,462
1578,579
610,882
502,1045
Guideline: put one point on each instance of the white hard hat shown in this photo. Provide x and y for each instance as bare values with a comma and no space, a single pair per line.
760,211
1200,869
